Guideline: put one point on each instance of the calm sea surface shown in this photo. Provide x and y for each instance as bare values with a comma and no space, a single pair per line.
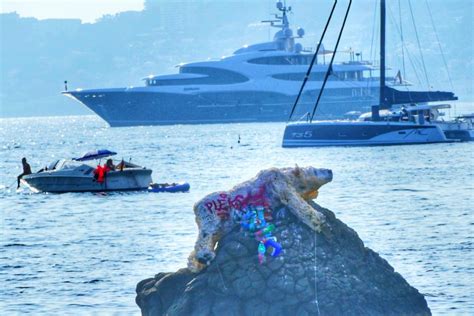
83,253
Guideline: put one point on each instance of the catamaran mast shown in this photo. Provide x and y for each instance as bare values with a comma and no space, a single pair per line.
313,60
382,101
329,71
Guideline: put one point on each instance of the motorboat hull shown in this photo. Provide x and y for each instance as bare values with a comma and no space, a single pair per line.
343,133
58,182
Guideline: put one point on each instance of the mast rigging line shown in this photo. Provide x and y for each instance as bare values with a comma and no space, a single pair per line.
412,61
308,73
383,16
439,44
419,45
374,25
332,60
401,37
372,50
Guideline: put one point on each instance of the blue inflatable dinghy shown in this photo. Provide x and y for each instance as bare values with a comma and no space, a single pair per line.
169,187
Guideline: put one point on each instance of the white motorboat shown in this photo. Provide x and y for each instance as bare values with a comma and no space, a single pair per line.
82,175
462,128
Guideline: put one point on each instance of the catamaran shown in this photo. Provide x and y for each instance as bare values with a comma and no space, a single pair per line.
373,129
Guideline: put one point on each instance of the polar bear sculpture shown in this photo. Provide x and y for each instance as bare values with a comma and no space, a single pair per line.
218,213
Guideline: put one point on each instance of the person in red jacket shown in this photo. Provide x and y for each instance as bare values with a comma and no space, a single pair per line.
99,173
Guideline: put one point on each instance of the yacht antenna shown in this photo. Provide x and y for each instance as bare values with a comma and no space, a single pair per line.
283,19
308,73
328,72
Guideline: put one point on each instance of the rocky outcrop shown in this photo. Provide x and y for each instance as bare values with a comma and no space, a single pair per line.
327,273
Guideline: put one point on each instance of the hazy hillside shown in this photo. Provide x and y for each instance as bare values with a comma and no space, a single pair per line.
38,55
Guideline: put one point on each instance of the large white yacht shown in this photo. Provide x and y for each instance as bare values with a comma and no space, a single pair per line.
256,83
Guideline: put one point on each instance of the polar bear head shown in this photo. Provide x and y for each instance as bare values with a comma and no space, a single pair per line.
307,180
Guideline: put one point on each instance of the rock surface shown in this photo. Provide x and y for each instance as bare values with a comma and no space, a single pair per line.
327,273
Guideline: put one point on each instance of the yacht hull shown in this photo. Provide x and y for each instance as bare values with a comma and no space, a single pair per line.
340,133
122,107
128,179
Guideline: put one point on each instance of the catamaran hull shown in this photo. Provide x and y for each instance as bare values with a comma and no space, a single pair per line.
320,134
136,179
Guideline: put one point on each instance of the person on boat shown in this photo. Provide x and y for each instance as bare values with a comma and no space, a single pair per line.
26,171
109,164
404,116
120,166
99,173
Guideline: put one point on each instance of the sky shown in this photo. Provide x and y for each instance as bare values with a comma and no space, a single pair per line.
51,51
79,9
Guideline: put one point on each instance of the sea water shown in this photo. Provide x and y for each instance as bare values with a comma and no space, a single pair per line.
83,253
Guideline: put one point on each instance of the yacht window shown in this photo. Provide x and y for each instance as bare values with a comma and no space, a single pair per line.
299,76
350,75
282,60
212,76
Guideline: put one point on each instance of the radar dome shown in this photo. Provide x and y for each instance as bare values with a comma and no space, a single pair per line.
298,47
288,33
300,32
279,5
278,35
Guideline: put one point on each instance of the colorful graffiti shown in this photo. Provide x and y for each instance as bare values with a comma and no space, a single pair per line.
252,210
225,203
